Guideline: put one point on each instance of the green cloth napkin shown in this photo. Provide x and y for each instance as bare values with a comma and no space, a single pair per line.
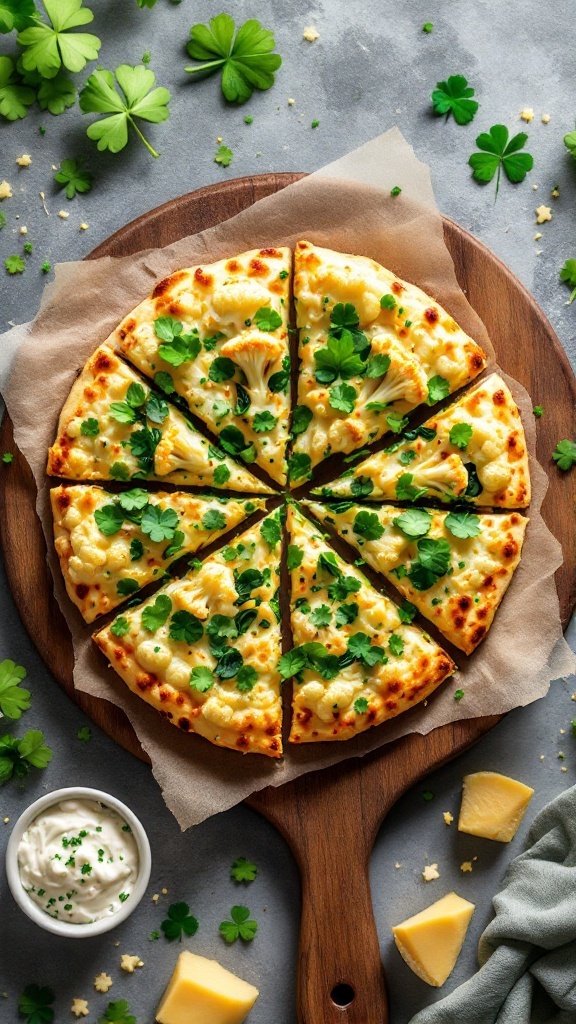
528,951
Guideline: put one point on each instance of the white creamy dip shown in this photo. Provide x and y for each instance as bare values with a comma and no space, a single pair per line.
78,861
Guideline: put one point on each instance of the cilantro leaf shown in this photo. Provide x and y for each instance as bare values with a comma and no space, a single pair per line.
229,663
433,562
17,756
165,382
338,359
299,467
143,444
118,1012
321,616
360,648
159,524
120,626
271,531
346,614
438,388
221,475
155,615
343,397
175,348
16,14
213,519
49,46
500,153
179,922
454,97
406,490
564,455
301,418
239,926
267,319
14,699
460,435
14,264
294,558
136,100
243,870
361,486
407,611
243,57
127,586
221,369
201,678
15,97
264,422
74,177
246,677
90,427
35,1004
463,524
133,500
223,156
414,522
361,705
568,275
186,627
396,644
109,519
368,525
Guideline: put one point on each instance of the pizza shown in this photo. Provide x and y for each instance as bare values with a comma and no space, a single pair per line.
113,427
112,545
357,659
217,335
475,450
204,650
192,392
372,348
453,567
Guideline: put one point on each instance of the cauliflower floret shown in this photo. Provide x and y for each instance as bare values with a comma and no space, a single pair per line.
240,300
338,696
73,427
215,711
258,356
118,555
178,675
445,476
180,447
72,518
404,381
347,284
153,656
495,476
212,591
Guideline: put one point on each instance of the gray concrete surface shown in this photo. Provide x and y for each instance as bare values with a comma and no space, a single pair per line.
372,67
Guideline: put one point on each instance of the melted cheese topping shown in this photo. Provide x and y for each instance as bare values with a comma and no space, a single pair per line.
182,455
463,602
496,450
93,563
219,301
325,709
158,667
419,336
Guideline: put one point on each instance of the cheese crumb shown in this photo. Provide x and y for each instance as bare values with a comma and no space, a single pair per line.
543,213
84,226
310,34
542,756
535,187
63,214
79,1008
397,864
219,139
448,818
130,963
5,190
6,820
430,873
466,865
24,161
116,943
545,118
563,769
102,982
573,697
562,731
23,230
291,102
555,192
164,892
527,114
537,236
155,897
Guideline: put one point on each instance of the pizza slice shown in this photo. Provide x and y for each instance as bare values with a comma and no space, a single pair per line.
204,650
452,567
372,348
112,427
475,450
356,660
112,545
217,335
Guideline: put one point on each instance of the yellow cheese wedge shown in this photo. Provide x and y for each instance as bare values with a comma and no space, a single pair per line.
493,806
430,942
202,992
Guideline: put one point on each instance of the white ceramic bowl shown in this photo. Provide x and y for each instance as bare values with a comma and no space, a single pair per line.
67,929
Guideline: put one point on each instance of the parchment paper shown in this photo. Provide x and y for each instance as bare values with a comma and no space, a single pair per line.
346,206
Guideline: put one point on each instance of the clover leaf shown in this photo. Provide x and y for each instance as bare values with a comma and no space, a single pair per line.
15,97
240,927
454,97
500,153
243,870
35,1004
16,14
179,922
244,57
49,46
74,177
14,699
137,99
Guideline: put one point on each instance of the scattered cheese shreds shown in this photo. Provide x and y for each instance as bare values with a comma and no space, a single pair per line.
555,192
24,161
5,190
84,226
23,230
310,34
466,865
430,873
219,139
43,198
6,820
527,114
64,214
291,102
537,236
545,118
448,818
130,963
79,1008
155,897
102,982
543,213
164,892
397,864
563,769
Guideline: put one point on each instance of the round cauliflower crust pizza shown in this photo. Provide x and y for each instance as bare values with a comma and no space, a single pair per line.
210,583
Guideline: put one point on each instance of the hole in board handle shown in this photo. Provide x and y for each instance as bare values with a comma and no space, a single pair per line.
342,995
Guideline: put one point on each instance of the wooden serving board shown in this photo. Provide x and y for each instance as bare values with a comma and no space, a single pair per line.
329,818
